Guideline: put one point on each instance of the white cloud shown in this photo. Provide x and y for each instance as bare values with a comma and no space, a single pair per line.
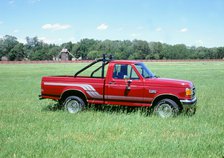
1,22
159,29
55,27
102,27
183,30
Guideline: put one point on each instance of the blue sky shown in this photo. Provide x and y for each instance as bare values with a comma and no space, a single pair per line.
191,22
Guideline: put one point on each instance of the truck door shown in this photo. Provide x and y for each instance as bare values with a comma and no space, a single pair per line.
124,85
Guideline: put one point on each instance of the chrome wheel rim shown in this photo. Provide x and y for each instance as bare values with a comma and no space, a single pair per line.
165,110
73,106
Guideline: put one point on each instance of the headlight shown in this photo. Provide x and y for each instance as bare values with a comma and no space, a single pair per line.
188,91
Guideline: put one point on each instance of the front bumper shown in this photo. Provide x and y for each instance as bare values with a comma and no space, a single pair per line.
188,104
191,102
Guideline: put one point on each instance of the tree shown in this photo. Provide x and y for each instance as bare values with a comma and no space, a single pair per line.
7,44
156,49
67,45
1,48
140,49
202,53
166,51
178,51
125,48
33,42
85,46
94,54
220,52
34,49
74,51
53,51
17,53
181,51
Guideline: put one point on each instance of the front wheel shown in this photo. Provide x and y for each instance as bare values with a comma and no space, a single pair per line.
166,108
74,104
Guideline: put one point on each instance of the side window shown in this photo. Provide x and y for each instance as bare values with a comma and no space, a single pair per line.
120,70
132,74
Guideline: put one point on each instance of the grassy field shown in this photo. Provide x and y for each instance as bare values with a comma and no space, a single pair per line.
28,128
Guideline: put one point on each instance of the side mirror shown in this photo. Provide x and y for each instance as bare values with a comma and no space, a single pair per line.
126,77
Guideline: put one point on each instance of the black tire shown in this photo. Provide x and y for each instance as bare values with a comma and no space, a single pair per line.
74,104
166,108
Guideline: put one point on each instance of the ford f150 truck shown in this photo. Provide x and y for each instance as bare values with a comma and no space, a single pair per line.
120,82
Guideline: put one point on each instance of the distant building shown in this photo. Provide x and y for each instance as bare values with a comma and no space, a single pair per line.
4,58
64,55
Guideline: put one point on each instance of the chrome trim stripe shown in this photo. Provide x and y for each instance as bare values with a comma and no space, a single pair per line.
127,98
88,88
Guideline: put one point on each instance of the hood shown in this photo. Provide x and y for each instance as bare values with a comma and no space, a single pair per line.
168,82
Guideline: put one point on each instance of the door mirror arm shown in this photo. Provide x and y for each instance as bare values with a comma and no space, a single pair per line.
128,82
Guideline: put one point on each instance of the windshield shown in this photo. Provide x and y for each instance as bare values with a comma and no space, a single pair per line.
144,71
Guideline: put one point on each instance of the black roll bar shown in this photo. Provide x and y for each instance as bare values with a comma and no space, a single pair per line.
104,61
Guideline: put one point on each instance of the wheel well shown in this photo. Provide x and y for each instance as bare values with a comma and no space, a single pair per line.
174,98
73,93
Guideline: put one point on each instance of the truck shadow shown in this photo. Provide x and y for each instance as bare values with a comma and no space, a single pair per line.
120,109
104,108
52,107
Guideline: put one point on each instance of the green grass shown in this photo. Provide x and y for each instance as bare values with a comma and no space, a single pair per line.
28,128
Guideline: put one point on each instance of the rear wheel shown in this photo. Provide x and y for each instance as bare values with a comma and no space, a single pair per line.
166,108
74,104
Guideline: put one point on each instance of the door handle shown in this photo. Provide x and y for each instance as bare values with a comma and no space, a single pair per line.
112,82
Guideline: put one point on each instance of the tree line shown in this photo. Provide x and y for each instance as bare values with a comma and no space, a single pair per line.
87,49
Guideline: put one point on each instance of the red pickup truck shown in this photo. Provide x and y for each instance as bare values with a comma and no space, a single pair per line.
120,82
